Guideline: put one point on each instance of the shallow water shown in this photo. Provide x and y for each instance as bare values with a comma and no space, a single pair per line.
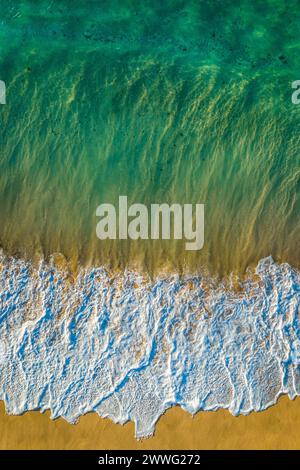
180,102
129,348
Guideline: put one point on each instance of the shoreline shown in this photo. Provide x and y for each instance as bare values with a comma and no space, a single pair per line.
175,430
57,334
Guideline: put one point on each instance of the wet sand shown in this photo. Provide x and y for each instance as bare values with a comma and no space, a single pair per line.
276,428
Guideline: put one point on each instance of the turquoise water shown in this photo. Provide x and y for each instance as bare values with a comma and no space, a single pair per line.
173,101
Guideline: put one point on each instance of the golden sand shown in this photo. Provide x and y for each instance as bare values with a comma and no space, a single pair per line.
276,428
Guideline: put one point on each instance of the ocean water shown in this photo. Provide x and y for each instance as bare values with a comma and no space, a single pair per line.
174,101
129,348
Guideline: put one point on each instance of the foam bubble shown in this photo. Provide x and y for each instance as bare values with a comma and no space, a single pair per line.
129,348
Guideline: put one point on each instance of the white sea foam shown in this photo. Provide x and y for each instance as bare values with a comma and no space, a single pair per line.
129,348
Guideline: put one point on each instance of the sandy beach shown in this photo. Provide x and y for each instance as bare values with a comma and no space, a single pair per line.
275,428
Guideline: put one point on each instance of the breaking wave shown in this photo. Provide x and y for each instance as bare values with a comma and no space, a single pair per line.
129,348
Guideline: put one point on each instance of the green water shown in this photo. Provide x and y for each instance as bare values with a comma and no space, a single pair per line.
163,101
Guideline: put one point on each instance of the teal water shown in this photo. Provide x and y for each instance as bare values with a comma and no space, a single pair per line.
174,101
